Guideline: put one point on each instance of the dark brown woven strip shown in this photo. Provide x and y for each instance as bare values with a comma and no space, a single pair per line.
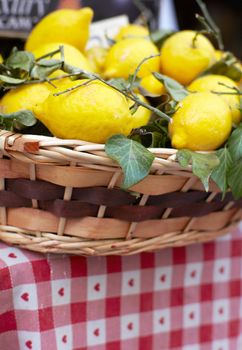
177,199
11,200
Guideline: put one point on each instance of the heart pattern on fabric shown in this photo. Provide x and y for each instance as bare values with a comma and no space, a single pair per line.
191,315
96,332
131,282
29,344
162,320
61,292
64,339
221,270
163,278
130,326
193,273
12,255
25,296
97,287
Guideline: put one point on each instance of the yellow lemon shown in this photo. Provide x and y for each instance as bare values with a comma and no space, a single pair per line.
124,57
73,56
1,58
96,57
152,86
202,122
213,83
184,62
142,115
92,112
65,25
25,97
132,31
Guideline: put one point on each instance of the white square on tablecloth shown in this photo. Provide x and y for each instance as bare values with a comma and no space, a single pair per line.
163,278
220,311
130,282
61,292
96,287
193,274
191,315
25,297
221,272
129,326
13,256
221,344
64,338
161,320
29,340
96,332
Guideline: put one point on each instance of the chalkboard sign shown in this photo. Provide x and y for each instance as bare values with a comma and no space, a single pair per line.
18,17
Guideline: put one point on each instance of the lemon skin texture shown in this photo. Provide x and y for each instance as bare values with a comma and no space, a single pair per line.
25,97
152,86
96,58
92,112
202,122
124,57
72,55
213,83
142,115
183,62
131,31
65,25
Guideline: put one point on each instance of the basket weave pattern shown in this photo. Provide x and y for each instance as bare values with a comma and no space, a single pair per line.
64,196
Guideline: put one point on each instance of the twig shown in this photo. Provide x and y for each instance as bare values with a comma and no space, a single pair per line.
209,24
74,87
50,54
134,77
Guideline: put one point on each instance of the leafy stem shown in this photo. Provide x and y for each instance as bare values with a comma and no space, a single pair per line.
209,24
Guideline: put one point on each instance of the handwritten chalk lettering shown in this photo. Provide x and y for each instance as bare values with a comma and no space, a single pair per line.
23,7
16,23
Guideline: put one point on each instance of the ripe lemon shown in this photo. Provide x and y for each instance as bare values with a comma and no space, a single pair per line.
66,26
183,62
131,31
142,115
1,58
124,57
96,57
25,97
212,83
92,112
152,86
202,122
73,56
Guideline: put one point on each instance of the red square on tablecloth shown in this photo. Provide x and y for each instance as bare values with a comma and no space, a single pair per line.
113,346
112,307
78,312
235,288
176,339
205,333
114,264
7,322
177,297
78,266
146,302
5,282
206,292
46,321
147,260
41,270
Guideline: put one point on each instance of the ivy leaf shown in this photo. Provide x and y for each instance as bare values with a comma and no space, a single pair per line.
235,144
18,120
202,164
220,173
22,60
226,66
10,80
159,36
134,159
234,179
175,89
45,67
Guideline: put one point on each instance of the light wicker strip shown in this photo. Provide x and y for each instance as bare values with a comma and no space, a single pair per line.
79,164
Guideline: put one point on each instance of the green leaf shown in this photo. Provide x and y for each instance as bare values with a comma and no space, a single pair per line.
22,60
226,66
175,89
45,67
134,159
10,80
119,83
159,36
220,173
235,144
234,179
18,120
202,164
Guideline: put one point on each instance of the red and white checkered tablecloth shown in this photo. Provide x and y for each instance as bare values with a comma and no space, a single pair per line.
184,298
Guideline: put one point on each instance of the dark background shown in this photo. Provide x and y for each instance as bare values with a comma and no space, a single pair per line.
227,15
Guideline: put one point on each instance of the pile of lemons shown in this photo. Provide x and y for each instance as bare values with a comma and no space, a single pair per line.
94,111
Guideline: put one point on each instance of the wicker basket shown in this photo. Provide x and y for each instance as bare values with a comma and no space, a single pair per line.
64,196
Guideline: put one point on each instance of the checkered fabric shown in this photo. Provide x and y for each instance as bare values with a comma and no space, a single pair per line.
184,298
